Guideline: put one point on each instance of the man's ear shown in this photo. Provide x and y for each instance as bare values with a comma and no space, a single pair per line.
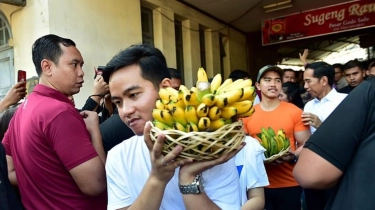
257,85
46,67
165,83
325,80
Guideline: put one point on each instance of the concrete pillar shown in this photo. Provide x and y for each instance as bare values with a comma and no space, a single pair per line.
192,60
164,34
212,52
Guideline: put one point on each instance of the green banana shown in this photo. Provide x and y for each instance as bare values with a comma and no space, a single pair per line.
160,125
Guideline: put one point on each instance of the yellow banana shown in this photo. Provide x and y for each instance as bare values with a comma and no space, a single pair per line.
281,133
194,89
160,105
178,115
160,125
168,94
248,93
191,127
228,112
203,86
216,124
214,113
179,103
183,88
227,98
204,123
202,110
163,116
231,86
191,114
238,85
190,98
247,114
222,86
179,126
215,84
202,76
208,99
242,106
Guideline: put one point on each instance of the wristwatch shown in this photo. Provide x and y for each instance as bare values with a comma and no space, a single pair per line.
196,187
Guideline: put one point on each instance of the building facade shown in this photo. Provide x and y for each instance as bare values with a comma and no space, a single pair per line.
188,38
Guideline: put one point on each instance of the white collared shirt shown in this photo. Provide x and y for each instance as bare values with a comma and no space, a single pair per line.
324,107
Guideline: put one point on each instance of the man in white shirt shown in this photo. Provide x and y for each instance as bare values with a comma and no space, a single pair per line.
138,175
319,78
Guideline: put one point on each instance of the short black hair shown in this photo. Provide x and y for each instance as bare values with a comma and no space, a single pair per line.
238,74
352,64
338,65
292,90
151,61
322,69
5,117
48,47
175,73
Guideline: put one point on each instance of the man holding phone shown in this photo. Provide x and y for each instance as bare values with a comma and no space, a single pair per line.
56,152
14,95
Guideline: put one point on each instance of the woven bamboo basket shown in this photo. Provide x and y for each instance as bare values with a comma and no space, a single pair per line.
202,145
278,155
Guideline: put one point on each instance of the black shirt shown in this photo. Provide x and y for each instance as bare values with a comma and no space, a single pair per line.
114,131
346,139
8,199
347,89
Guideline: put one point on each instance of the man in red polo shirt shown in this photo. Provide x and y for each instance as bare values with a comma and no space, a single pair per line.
55,151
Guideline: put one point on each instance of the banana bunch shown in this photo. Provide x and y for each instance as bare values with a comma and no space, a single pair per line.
204,107
273,143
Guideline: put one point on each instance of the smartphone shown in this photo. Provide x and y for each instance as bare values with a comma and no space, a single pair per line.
22,77
99,71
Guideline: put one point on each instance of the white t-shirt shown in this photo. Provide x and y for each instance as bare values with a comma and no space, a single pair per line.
128,167
250,166
324,107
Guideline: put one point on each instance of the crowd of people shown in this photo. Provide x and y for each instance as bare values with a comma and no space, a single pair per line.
54,156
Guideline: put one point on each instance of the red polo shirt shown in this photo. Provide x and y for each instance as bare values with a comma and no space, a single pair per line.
46,138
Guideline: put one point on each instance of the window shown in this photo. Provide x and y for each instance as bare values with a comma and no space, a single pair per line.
202,44
179,48
147,26
4,32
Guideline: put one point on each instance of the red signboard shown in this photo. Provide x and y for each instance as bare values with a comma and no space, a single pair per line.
328,20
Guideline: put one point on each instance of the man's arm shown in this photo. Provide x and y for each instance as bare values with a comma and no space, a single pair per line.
301,137
311,177
255,198
82,173
11,172
188,173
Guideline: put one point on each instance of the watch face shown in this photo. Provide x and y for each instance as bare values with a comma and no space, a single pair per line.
201,184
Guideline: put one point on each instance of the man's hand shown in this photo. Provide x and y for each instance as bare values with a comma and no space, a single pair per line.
162,167
303,57
311,119
287,158
91,120
15,94
100,87
188,171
